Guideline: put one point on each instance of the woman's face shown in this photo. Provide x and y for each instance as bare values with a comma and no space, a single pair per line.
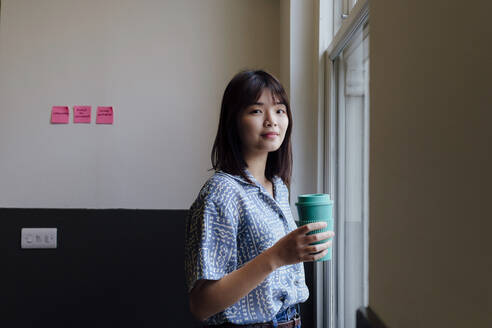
262,126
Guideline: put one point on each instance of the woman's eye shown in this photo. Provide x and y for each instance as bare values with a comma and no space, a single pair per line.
255,111
280,110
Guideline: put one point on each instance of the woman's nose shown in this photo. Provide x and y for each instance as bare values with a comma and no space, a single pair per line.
270,120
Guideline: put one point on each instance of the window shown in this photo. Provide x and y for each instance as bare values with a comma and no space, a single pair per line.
341,10
345,278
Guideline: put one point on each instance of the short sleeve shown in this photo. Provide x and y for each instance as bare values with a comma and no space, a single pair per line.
210,241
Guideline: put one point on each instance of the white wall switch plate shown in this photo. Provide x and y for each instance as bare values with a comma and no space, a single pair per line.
38,237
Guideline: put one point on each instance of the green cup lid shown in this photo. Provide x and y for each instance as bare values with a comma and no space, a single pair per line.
312,199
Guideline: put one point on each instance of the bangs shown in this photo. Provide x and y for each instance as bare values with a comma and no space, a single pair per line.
257,85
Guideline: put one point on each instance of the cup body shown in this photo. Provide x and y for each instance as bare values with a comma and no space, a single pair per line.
316,208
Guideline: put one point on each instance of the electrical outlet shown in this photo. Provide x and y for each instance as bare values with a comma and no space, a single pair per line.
38,237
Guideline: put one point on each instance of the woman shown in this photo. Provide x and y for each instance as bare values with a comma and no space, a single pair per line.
243,250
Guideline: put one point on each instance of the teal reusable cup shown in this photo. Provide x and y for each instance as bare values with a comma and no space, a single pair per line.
315,208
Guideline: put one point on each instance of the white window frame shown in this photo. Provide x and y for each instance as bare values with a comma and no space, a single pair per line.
331,14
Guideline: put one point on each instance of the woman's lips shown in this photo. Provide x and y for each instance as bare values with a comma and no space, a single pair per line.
270,135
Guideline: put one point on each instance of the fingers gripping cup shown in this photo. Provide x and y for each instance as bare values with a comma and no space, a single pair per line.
316,208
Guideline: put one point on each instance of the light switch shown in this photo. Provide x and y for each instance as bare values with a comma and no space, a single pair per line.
38,237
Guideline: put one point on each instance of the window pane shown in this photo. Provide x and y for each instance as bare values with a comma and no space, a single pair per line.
339,9
352,177
351,4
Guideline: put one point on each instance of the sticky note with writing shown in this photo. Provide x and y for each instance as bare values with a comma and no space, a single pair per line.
59,115
81,114
104,115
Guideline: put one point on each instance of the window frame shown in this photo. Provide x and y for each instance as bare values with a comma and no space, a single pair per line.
326,274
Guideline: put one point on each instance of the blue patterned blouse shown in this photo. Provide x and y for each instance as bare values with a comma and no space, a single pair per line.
230,223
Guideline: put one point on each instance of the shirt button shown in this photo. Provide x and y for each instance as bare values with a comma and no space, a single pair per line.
297,282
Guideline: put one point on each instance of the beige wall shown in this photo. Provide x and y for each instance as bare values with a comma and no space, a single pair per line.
430,169
163,65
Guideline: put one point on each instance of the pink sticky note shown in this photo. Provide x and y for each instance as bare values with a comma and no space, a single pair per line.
81,114
59,115
104,115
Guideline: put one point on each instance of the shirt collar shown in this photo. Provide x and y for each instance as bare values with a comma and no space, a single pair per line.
239,178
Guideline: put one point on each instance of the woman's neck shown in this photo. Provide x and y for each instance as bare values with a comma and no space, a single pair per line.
257,165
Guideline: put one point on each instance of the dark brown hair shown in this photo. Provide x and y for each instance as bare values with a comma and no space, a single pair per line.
243,90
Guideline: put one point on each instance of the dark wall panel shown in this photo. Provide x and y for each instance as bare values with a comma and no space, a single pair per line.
112,268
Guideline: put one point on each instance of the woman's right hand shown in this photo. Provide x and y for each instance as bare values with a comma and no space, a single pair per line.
294,247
